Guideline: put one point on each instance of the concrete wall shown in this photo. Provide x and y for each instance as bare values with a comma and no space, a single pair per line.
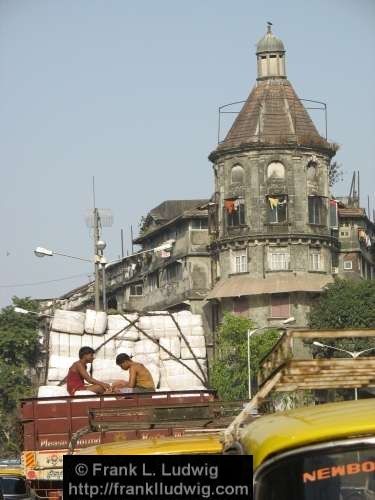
259,255
259,309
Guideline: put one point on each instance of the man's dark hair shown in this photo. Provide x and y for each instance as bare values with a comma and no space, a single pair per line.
120,358
85,350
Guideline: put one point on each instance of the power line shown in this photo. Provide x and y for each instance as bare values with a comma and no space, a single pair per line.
44,282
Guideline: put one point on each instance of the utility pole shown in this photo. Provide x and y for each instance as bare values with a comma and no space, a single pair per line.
96,257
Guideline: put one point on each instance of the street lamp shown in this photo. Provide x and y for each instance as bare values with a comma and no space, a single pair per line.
20,310
353,354
44,252
99,260
250,333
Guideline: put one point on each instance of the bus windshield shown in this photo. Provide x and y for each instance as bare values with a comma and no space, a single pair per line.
334,474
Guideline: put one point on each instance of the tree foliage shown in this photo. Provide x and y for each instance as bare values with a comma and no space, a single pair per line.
335,173
19,353
345,304
230,368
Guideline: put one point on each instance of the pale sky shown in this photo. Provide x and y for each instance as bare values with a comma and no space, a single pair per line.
128,92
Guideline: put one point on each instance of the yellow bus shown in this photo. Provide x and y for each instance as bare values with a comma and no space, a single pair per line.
189,444
324,452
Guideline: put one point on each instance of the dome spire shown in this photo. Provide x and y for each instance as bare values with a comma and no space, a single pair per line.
271,56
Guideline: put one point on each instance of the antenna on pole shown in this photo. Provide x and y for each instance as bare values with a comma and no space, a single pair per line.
96,219
93,190
122,243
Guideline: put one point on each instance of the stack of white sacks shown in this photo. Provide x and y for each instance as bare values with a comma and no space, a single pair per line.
73,330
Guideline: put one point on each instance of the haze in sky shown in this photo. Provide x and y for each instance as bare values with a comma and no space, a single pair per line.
129,92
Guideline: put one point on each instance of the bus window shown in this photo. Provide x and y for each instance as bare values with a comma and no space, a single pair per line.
334,474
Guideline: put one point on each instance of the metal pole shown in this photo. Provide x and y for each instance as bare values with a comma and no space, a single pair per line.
355,393
96,239
368,207
122,243
104,289
248,363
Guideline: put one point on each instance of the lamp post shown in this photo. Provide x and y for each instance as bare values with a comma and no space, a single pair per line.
353,354
250,333
20,310
99,261
44,252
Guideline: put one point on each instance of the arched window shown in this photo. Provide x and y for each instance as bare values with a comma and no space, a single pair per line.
237,175
311,169
276,170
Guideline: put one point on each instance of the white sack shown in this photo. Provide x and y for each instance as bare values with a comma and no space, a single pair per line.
170,368
53,374
173,344
49,391
146,347
181,382
124,346
117,323
68,322
75,344
196,320
155,372
64,342
199,352
57,374
95,322
193,341
197,330
193,365
147,359
61,362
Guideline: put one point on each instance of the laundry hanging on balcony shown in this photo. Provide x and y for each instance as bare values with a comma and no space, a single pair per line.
364,237
230,206
275,202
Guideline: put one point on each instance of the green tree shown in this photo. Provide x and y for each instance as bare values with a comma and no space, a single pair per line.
345,304
19,353
229,370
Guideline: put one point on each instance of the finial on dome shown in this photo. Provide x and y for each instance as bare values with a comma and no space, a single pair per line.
270,54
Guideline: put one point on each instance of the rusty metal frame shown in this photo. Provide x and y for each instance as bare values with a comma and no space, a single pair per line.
323,107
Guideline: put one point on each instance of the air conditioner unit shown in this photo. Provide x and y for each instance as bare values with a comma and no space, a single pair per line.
335,270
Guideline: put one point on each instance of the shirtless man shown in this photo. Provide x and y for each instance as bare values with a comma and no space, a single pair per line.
140,378
77,375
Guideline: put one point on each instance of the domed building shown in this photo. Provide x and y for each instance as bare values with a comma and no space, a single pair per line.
273,245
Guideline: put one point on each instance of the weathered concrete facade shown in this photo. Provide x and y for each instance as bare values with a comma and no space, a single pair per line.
173,269
272,233
357,244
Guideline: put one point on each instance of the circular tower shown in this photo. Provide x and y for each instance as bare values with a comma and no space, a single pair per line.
272,245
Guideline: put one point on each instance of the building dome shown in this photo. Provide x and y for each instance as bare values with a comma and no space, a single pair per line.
270,43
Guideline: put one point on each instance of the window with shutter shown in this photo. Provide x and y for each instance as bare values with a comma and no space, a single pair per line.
315,209
239,261
280,305
240,305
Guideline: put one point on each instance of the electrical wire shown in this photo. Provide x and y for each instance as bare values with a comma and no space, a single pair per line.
44,282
